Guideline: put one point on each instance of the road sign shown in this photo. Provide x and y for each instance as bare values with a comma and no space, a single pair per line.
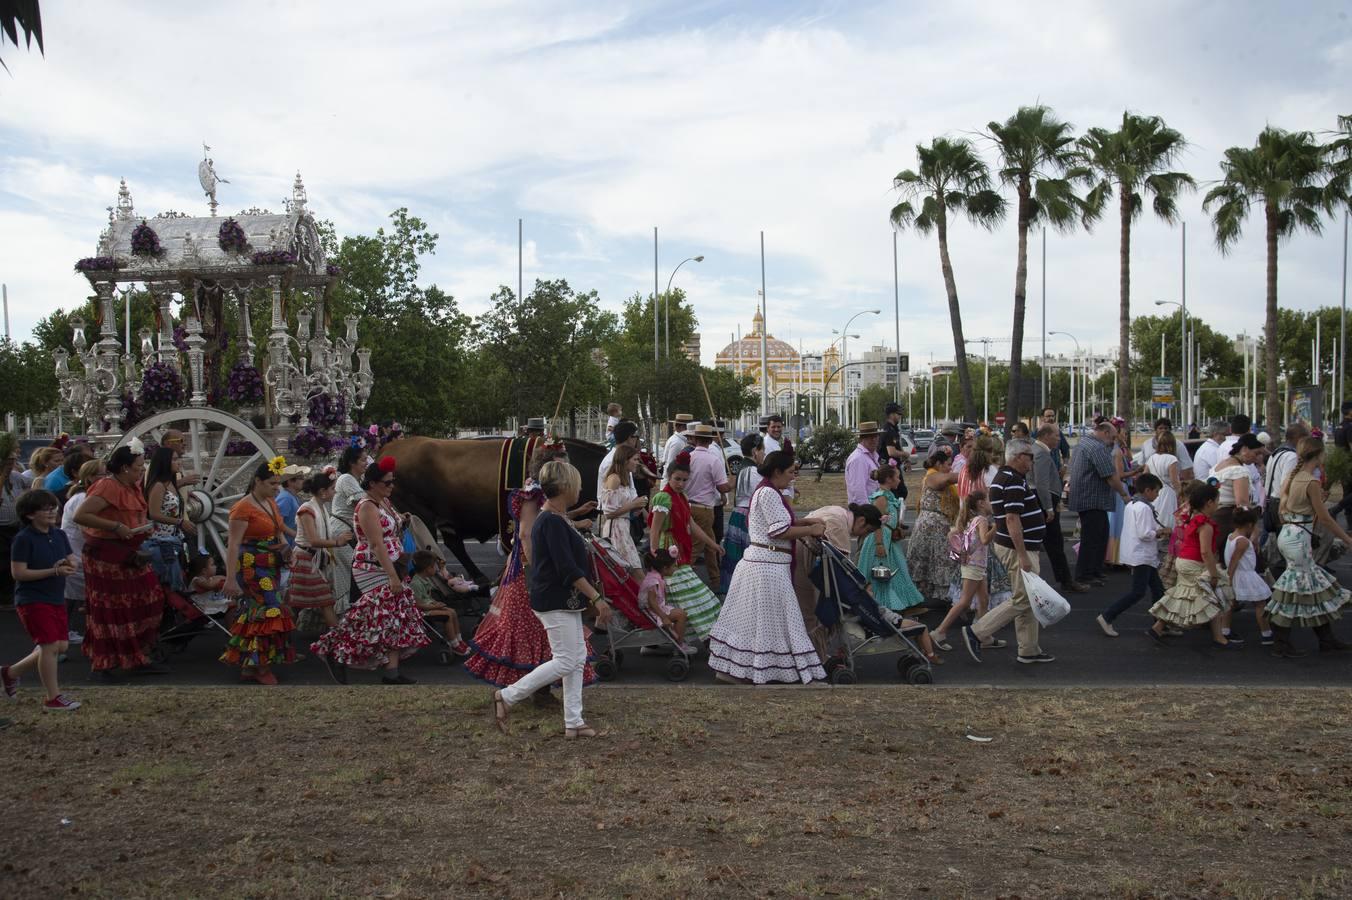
1161,392
1000,419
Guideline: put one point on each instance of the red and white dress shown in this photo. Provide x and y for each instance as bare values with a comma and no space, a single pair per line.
382,622
510,641
310,587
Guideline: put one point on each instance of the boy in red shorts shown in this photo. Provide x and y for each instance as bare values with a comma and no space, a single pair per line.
40,560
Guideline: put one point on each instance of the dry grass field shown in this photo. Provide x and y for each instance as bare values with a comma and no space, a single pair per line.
692,792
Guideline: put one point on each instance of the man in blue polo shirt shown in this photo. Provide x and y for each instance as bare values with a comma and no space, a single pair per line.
1093,481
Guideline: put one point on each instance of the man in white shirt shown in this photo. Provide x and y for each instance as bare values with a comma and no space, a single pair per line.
1284,460
675,444
774,433
1210,452
625,433
1185,471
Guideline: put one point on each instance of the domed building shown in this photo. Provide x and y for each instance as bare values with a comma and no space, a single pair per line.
795,380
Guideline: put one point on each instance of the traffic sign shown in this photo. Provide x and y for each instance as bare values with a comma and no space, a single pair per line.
1161,392
1000,419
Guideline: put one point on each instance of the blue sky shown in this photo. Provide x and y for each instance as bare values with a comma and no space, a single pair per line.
596,122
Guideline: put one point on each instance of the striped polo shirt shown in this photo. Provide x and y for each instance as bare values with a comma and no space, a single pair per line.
1011,493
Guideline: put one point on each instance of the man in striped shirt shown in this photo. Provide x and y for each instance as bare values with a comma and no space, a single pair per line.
1019,528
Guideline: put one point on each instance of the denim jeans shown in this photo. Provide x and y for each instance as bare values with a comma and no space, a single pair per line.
1143,578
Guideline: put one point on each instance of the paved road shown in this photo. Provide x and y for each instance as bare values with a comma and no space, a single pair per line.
1084,656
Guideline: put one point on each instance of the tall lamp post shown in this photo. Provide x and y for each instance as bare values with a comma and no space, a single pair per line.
845,352
827,383
1186,408
1076,419
666,301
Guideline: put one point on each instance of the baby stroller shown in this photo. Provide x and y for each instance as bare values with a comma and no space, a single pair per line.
859,627
184,619
631,626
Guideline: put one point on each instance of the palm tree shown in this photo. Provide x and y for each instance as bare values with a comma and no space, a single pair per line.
1038,158
1132,161
951,176
20,16
1287,173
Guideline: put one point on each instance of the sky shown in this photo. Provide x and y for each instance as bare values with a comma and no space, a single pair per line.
713,122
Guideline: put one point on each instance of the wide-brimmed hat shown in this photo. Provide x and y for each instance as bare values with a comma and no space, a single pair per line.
535,423
764,421
700,429
868,429
720,426
682,419
293,470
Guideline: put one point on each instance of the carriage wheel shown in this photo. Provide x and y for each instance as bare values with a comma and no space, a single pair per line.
678,669
225,478
605,669
843,675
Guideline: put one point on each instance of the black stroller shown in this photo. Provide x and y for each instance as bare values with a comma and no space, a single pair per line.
858,626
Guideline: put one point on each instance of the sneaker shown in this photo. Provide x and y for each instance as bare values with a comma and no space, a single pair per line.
972,641
1235,639
74,638
1107,627
10,683
941,641
1267,640
1037,658
60,703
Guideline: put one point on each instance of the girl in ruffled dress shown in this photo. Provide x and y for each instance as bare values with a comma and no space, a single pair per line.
1241,561
1196,597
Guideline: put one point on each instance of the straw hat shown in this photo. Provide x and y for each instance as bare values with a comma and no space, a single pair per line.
700,430
293,471
868,429
682,419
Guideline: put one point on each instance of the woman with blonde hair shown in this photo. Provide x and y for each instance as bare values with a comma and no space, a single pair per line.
42,463
560,592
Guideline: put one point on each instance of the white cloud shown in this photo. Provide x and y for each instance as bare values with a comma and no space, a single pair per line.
596,122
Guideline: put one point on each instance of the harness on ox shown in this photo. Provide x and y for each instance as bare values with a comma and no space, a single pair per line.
513,468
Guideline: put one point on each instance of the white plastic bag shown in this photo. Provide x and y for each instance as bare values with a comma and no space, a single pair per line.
1049,607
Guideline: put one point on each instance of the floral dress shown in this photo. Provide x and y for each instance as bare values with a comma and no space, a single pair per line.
382,622
261,633
510,641
165,543
898,592
1305,595
615,525
932,570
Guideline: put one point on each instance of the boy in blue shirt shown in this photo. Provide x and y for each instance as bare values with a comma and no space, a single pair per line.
40,560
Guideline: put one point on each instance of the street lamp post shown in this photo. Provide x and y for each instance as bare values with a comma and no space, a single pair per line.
827,383
666,301
1186,408
1078,418
845,352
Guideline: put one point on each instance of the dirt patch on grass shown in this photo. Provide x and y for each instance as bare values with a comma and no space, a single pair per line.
706,792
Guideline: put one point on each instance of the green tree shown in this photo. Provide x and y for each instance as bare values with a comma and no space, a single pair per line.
418,358
1038,159
28,374
950,176
873,399
546,347
1132,161
1286,174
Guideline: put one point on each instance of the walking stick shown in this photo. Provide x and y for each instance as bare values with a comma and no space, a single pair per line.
558,406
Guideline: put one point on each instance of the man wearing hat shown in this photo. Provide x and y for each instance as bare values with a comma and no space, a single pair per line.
859,468
535,427
287,501
889,447
676,443
708,483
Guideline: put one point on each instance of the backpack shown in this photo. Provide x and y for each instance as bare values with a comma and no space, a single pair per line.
960,546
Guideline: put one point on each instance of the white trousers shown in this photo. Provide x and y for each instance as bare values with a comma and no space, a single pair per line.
564,630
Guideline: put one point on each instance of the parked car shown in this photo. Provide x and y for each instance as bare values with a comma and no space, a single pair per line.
923,438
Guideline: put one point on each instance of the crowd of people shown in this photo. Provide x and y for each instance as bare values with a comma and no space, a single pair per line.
98,550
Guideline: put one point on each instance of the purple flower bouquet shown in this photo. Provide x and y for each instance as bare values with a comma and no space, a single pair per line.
328,410
274,258
144,241
231,237
97,264
161,386
246,384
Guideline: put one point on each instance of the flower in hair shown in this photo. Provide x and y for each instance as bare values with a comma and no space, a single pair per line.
330,471
277,465
386,464
373,430
136,447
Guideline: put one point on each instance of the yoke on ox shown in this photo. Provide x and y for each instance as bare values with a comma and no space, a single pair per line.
460,488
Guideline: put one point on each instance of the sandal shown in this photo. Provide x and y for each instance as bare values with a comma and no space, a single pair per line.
583,730
500,712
